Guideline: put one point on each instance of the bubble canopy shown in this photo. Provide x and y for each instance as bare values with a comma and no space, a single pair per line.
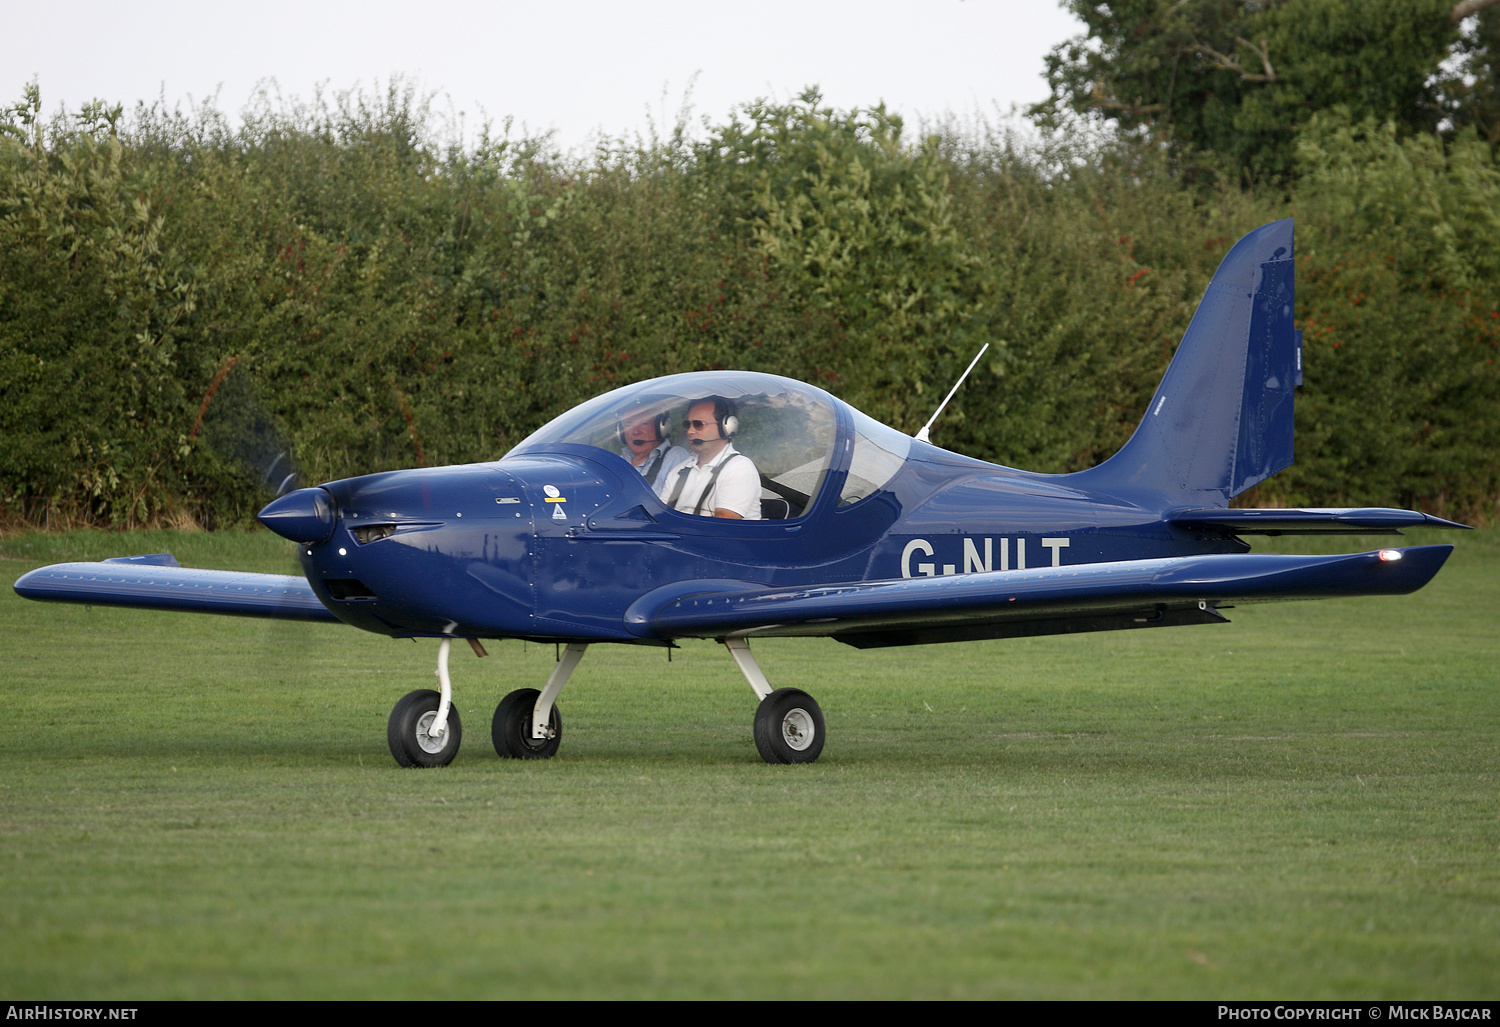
787,427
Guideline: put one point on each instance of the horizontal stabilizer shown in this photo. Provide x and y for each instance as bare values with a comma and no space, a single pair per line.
152,583
955,606
1354,521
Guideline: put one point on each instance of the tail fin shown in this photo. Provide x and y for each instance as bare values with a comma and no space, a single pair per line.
1221,419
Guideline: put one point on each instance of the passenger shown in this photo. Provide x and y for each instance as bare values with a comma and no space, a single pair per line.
647,438
722,482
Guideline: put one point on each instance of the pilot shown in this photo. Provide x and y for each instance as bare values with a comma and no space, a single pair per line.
721,482
647,438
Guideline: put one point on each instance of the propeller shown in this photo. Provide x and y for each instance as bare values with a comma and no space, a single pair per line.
233,424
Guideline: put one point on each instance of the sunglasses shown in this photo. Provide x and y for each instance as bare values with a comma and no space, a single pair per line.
699,425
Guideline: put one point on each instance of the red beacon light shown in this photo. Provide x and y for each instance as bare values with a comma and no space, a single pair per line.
1389,555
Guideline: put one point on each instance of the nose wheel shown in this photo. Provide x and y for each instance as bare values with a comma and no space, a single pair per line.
410,734
424,729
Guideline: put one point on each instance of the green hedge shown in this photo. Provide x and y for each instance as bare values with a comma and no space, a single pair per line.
181,301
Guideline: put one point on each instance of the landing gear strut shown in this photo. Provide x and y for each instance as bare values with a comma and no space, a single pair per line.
527,725
424,730
511,728
410,731
788,723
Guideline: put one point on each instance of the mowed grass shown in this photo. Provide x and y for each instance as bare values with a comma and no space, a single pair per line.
1299,804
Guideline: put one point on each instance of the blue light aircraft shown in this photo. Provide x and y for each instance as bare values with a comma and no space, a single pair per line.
865,534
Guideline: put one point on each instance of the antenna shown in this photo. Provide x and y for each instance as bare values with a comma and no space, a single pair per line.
922,435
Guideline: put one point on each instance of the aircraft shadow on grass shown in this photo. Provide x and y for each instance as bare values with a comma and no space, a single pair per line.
856,531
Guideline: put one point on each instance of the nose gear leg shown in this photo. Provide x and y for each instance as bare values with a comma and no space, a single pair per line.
445,697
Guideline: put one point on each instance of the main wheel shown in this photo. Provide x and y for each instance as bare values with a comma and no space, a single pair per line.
407,731
511,729
789,727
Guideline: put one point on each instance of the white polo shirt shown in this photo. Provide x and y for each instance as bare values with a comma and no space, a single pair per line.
737,487
666,456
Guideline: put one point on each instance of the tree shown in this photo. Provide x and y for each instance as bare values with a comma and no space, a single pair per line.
1238,78
1474,85
860,226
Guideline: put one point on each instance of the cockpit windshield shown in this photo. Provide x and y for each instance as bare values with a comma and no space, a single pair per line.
787,429
879,452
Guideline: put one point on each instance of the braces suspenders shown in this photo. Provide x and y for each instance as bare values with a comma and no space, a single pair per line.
682,477
661,461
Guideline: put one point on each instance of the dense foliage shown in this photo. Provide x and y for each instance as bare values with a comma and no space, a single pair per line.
182,300
1238,79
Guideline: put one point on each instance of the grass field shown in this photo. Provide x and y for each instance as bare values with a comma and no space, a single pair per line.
1301,804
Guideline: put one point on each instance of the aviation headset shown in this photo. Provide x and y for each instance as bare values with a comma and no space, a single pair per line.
662,421
725,415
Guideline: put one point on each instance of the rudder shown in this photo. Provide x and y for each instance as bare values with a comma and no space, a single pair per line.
1221,419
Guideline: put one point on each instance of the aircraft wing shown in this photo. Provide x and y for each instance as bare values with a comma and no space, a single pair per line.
158,583
1354,521
1005,604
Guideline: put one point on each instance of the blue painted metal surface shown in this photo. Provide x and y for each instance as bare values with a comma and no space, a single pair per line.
1221,420
150,584
891,539
305,515
1129,587
1359,521
867,536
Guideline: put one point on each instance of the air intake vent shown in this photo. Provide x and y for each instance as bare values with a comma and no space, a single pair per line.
372,532
347,588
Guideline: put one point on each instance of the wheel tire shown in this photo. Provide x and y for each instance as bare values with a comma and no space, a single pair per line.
789,727
511,730
407,731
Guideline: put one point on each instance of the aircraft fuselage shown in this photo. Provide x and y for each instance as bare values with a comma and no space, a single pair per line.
560,545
